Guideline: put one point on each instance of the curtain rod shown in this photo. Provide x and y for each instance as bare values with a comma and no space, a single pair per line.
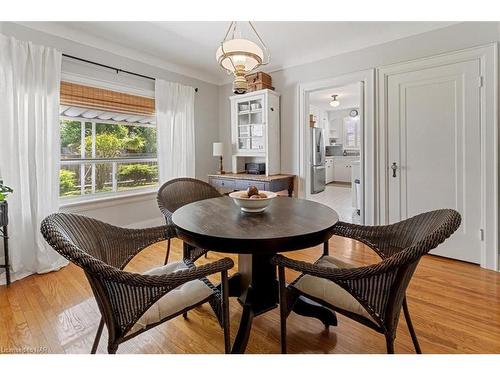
118,70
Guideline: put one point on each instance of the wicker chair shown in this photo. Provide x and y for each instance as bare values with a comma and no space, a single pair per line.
372,295
132,303
176,193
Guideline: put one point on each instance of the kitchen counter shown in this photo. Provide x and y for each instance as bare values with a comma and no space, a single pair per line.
345,158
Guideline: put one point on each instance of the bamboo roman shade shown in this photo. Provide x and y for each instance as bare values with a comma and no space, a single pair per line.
73,94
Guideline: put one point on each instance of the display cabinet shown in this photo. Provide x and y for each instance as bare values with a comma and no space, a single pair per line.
255,130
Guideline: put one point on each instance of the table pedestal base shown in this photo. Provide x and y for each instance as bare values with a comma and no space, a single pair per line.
256,287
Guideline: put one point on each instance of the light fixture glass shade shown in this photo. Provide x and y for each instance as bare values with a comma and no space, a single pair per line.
239,52
218,149
335,102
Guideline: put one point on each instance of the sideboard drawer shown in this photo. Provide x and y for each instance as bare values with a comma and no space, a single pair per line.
245,184
223,183
241,181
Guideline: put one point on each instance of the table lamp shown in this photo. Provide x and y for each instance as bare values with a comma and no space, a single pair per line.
218,151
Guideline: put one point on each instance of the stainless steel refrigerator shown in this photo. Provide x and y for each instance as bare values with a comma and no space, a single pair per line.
318,171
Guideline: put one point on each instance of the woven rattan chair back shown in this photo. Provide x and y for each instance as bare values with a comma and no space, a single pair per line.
85,241
178,192
79,239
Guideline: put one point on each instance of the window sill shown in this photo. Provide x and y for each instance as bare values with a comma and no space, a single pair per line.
109,200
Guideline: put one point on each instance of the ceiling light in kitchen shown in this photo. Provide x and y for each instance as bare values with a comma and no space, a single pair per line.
335,102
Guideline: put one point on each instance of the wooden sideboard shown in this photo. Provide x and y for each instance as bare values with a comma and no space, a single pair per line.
242,181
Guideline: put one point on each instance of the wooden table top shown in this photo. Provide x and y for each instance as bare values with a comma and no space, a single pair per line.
287,224
255,177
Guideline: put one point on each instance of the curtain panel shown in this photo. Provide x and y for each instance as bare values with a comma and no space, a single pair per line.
175,130
30,77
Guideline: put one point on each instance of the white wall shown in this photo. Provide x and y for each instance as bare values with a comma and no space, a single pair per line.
286,81
143,210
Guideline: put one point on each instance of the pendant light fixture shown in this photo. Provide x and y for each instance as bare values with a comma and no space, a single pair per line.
335,102
240,56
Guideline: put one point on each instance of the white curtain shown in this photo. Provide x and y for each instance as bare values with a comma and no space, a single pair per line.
175,130
30,76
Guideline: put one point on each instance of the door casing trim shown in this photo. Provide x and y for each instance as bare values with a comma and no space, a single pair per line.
368,164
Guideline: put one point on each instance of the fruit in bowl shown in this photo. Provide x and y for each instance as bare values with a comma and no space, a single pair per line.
252,200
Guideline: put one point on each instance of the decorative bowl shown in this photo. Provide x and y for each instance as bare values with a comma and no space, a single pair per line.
252,205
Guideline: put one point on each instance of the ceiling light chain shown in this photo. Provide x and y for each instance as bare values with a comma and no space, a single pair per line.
264,44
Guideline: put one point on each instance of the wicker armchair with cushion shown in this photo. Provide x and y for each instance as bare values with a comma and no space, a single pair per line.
176,193
131,303
372,295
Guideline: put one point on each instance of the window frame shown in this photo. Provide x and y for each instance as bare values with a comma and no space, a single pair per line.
83,161
72,72
357,132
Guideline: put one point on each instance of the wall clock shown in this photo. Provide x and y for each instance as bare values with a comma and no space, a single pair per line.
353,113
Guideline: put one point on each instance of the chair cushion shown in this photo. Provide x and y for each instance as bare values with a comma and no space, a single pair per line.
186,295
330,292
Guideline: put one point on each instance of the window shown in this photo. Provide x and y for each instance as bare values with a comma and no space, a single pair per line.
352,134
104,152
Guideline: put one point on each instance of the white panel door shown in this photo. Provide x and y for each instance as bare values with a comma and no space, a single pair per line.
434,140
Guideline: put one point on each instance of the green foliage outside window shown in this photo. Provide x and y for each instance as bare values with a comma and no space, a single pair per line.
67,181
4,191
111,141
137,173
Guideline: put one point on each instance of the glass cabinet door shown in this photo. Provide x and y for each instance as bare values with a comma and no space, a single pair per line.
257,143
244,131
250,125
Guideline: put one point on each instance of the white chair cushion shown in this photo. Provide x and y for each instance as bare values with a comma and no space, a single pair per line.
330,292
176,300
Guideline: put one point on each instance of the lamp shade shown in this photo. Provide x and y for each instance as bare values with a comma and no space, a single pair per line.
239,52
218,149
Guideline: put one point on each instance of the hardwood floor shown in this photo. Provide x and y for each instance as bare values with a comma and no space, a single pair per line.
455,308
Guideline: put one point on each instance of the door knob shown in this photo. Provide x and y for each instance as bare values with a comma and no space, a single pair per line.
394,168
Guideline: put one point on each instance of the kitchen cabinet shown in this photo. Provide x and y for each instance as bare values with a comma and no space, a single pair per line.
342,169
323,121
255,130
320,117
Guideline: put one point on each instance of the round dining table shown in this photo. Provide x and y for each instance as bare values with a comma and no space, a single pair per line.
287,224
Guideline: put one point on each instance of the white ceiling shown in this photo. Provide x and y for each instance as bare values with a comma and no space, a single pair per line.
348,96
189,47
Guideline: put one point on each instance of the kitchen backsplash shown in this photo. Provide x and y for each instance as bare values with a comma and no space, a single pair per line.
338,150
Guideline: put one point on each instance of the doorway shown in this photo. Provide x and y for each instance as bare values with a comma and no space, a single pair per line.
336,125
336,134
